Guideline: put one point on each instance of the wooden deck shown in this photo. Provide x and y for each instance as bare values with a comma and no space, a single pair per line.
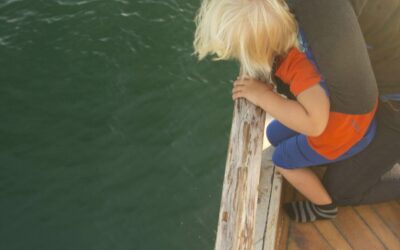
359,227
364,227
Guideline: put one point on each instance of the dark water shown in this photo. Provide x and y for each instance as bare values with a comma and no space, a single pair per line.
112,136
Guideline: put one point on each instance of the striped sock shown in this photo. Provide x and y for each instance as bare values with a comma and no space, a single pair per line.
306,211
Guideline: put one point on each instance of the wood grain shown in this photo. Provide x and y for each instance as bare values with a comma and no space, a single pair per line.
284,223
332,234
360,227
236,225
390,214
355,230
273,212
378,227
307,236
264,197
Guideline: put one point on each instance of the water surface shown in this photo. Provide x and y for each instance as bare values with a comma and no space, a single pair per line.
112,135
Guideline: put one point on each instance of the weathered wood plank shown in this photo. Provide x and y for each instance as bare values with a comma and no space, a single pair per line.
264,192
292,245
264,197
390,214
284,223
268,207
361,238
332,235
273,213
236,225
354,228
378,227
307,236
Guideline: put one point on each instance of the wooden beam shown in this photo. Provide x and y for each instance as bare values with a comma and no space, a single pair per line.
236,226
263,201
272,227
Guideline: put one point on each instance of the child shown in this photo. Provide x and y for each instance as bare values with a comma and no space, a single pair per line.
309,130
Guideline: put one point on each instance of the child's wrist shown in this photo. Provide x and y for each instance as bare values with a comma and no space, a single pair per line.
268,96
263,96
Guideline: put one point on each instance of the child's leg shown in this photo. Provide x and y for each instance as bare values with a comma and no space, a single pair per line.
319,204
294,153
307,183
290,157
276,132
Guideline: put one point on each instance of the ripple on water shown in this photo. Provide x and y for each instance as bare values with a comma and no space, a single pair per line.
122,1
8,2
18,17
74,3
161,95
125,14
3,40
54,19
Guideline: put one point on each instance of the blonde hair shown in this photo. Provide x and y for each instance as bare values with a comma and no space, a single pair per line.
253,32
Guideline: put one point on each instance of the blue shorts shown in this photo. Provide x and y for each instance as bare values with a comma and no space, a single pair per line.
293,151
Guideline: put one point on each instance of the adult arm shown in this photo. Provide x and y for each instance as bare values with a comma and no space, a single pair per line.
336,41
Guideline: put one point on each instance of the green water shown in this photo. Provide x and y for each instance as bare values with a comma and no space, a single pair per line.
112,136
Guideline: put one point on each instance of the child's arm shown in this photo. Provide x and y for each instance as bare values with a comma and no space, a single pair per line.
308,115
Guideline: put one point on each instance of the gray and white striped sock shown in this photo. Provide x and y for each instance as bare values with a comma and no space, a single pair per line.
306,211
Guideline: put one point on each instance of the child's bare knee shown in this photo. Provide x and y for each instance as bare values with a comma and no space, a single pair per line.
283,170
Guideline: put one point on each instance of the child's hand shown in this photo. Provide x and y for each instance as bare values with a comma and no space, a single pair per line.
251,89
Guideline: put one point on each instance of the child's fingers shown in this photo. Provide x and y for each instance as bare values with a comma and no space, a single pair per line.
237,92
238,83
238,88
237,95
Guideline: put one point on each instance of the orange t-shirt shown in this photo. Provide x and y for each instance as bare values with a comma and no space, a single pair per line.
343,130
